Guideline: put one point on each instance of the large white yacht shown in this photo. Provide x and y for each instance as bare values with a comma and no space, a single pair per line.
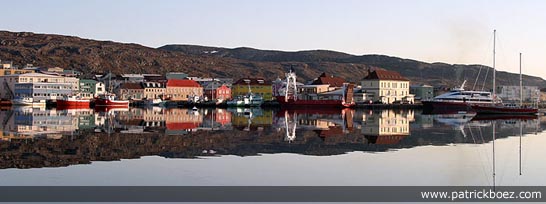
457,100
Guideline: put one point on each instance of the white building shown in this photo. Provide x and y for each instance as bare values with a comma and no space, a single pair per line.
512,93
36,81
386,87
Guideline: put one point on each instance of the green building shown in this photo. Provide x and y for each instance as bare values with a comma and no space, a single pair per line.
422,92
92,87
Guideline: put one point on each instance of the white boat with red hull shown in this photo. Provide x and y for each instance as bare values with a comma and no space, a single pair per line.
110,100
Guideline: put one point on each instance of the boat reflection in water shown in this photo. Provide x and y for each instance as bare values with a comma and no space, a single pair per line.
80,136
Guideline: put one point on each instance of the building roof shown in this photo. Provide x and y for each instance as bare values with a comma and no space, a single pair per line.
328,79
152,85
252,81
33,75
131,86
379,74
182,83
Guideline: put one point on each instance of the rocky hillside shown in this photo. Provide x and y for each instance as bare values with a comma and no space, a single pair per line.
438,74
92,56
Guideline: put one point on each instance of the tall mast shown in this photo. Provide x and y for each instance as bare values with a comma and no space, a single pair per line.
520,83
494,70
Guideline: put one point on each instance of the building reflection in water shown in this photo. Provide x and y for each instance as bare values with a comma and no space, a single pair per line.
29,122
386,126
378,127
67,137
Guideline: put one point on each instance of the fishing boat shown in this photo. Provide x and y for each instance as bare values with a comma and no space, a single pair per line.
73,101
342,98
497,106
110,100
250,99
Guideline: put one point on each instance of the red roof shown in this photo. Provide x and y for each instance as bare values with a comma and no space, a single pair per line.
379,74
182,83
329,79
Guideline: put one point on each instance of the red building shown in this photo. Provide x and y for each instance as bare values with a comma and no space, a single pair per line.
215,91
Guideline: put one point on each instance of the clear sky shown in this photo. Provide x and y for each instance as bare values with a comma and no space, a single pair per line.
458,31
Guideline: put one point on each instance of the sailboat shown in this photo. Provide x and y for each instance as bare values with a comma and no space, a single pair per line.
496,106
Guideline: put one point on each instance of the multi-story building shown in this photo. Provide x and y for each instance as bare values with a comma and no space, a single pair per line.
131,91
7,68
93,87
512,93
422,92
255,85
217,91
387,87
44,84
183,90
42,91
153,90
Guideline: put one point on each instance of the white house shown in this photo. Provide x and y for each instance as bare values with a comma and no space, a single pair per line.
387,87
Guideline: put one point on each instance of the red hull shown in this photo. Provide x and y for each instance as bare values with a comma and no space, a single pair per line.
110,103
73,104
313,103
483,109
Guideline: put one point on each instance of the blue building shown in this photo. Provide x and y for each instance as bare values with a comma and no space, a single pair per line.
42,91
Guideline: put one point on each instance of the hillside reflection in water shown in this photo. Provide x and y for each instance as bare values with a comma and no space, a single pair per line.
35,138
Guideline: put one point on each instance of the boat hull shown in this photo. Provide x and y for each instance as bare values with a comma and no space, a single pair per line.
441,107
111,103
73,103
483,109
313,103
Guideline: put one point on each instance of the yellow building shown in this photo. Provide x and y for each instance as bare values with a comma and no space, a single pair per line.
255,85
11,71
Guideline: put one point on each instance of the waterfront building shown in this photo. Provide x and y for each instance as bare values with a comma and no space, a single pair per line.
153,90
92,87
387,87
38,85
217,91
131,91
512,93
183,90
256,85
422,92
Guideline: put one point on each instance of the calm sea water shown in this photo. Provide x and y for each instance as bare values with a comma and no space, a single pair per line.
267,147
